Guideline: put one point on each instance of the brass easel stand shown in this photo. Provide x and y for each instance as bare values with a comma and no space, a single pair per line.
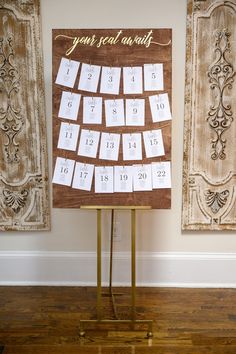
100,319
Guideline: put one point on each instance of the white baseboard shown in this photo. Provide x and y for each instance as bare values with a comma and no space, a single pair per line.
153,269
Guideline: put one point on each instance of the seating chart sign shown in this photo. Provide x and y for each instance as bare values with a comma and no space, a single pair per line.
112,117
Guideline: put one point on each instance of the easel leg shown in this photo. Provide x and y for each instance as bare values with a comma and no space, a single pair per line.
133,261
132,321
99,265
111,294
111,251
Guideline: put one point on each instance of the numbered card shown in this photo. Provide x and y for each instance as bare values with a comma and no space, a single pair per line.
68,136
153,77
89,77
63,171
92,110
109,147
69,105
135,112
161,175
153,143
142,177
133,80
160,107
104,179
88,145
123,179
114,113
110,80
132,146
83,176
67,72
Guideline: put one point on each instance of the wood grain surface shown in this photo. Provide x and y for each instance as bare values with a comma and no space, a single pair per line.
112,55
186,321
24,187
209,171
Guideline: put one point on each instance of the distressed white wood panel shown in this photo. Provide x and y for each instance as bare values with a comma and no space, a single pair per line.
209,191
24,201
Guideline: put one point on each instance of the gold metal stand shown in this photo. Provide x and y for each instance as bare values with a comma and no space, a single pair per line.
100,319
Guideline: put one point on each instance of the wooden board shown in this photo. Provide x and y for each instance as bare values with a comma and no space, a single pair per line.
112,55
24,196
209,194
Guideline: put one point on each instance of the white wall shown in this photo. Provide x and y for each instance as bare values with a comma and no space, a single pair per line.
158,231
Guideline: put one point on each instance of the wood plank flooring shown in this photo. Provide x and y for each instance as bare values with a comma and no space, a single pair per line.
42,320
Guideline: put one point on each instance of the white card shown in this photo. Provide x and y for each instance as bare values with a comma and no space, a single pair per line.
135,112
92,110
114,112
123,179
89,77
109,147
153,77
133,80
69,106
83,176
161,174
88,145
153,143
160,107
132,146
68,136
110,80
104,179
63,171
142,177
67,72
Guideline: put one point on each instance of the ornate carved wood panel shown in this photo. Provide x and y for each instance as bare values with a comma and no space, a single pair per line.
24,202
209,195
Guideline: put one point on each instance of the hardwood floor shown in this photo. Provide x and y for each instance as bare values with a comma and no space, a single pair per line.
37,320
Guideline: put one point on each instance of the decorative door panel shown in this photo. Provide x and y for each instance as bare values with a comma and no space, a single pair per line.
209,195
24,202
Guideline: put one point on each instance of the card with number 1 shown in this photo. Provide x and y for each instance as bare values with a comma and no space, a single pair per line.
67,72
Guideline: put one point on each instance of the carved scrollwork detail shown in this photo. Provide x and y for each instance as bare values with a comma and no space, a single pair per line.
197,5
216,200
221,77
11,120
14,199
191,181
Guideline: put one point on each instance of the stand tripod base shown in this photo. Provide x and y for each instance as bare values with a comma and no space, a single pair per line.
100,319
149,323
